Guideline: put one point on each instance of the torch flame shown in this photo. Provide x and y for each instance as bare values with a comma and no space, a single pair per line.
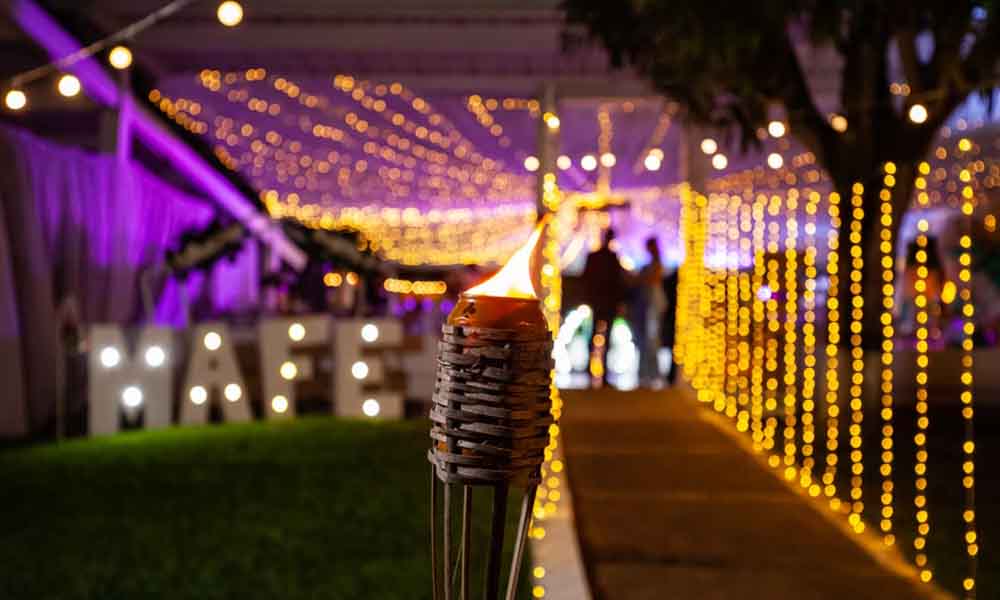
514,279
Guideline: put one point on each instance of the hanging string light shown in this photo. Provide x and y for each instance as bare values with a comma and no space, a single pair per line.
758,317
923,422
832,350
732,233
966,379
888,299
773,329
857,359
791,393
809,346
230,13
744,262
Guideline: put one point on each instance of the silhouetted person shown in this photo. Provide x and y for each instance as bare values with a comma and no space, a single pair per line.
647,312
604,281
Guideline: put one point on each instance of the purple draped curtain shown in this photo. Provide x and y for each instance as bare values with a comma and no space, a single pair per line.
78,230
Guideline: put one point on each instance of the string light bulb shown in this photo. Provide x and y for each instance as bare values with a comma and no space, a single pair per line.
230,13
838,123
564,162
775,161
608,160
69,86
588,162
776,129
532,163
120,57
720,162
917,113
652,162
551,120
709,146
16,100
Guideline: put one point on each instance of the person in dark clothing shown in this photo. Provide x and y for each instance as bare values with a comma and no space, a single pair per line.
669,321
604,279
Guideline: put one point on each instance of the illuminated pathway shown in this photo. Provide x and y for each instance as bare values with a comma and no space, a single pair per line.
668,506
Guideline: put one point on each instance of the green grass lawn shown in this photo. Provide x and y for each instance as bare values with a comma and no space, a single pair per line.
310,508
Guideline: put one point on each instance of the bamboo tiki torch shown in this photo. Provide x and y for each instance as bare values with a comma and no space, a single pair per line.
490,419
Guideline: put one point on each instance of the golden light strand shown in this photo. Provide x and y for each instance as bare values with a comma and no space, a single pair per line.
548,494
966,379
809,347
757,368
832,350
791,394
718,335
920,438
743,316
886,249
732,305
771,336
857,359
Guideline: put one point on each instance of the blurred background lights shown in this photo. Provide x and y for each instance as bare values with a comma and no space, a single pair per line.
15,100
233,392
212,341
588,162
132,396
369,332
69,85
564,162
608,160
279,404
371,407
359,369
288,370
531,163
652,162
776,129
198,395
296,332
708,146
764,293
155,356
917,113
110,357
230,13
552,121
774,160
120,57
839,123
719,161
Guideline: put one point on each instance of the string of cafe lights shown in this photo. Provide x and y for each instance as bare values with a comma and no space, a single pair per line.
966,379
791,392
857,364
809,346
229,14
832,349
886,248
922,514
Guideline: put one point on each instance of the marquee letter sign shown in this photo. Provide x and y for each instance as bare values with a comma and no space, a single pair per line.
279,368
213,372
130,383
357,371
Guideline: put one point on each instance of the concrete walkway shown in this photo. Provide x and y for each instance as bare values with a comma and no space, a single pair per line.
669,507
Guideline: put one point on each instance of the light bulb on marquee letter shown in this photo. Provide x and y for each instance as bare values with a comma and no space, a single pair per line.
212,366
133,383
